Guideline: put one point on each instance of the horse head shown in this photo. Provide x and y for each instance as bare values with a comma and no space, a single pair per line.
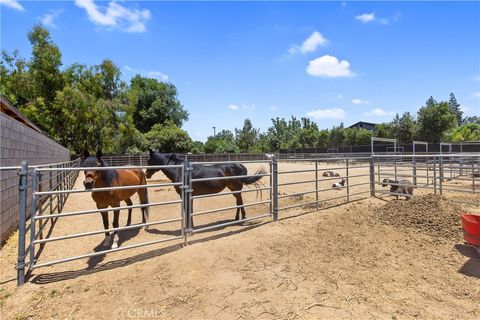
155,159
386,182
92,175
160,159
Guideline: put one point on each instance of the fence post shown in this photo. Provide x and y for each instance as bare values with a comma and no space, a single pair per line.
414,162
274,172
473,175
188,196
372,177
50,186
316,181
435,175
427,163
22,220
441,174
40,206
32,219
348,181
184,203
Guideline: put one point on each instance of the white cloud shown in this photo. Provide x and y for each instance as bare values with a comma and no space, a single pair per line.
329,66
157,75
48,18
379,112
334,113
116,16
476,94
14,4
311,44
245,107
477,78
369,17
366,17
360,101
150,74
273,108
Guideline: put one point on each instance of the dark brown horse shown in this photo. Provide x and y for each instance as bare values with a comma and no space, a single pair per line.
114,178
200,171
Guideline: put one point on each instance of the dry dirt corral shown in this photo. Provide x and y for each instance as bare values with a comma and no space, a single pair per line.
340,262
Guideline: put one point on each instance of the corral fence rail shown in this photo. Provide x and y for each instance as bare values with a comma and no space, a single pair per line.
311,184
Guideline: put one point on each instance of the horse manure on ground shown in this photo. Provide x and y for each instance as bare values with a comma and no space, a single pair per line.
431,214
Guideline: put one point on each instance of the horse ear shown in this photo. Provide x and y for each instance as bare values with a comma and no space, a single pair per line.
151,152
86,154
99,154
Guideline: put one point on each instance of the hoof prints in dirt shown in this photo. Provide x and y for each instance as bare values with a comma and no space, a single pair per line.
431,214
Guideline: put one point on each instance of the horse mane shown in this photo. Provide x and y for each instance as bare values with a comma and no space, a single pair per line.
167,157
173,157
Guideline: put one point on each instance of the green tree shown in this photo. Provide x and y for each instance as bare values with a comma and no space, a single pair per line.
431,102
466,132
83,122
283,134
15,81
350,136
472,119
363,136
308,137
434,120
45,64
167,137
455,108
222,142
110,79
197,147
384,130
404,127
156,103
323,138
337,136
247,137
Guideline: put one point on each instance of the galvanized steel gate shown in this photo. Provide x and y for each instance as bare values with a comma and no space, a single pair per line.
363,175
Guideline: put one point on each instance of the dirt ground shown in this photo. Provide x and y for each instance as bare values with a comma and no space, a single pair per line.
342,261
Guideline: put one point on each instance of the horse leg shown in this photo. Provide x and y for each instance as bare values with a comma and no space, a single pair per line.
129,203
106,242
238,196
116,215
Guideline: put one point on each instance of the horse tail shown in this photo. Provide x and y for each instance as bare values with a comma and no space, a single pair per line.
255,178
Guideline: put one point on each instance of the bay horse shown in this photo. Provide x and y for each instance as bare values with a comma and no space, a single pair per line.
200,171
114,178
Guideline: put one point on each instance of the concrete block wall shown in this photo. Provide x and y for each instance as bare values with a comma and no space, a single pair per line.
19,142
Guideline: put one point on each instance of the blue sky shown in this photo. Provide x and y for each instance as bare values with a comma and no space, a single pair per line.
330,61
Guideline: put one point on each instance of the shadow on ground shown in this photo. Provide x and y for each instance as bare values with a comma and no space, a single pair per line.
95,265
471,268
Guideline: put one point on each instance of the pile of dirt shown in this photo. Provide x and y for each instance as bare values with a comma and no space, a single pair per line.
430,214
